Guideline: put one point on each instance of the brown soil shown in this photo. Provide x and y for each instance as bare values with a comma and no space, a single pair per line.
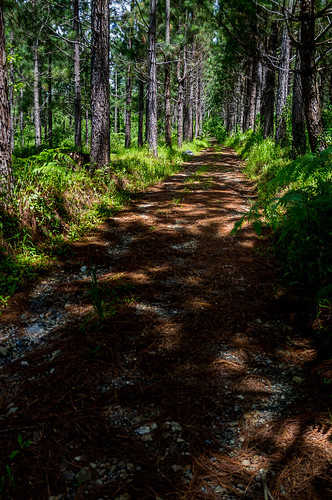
198,383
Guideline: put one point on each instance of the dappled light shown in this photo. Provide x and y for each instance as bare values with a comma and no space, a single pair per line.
170,370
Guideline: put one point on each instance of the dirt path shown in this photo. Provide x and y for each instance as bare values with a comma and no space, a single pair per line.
195,384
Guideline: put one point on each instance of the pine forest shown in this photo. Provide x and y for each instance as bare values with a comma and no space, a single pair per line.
165,249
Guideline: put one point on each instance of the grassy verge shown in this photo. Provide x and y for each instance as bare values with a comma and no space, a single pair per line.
295,203
57,200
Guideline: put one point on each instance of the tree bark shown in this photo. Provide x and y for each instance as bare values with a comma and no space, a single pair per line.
87,136
180,101
36,83
100,91
198,98
129,90
21,118
11,91
268,100
116,108
188,109
298,114
49,103
282,90
152,93
6,173
140,113
312,106
77,78
168,124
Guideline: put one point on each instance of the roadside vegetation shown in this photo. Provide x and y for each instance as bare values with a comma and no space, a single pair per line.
294,205
58,197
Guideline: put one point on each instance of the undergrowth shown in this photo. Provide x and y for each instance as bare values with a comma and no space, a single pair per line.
295,202
57,199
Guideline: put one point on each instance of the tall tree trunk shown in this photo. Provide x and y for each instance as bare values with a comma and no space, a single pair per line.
152,93
77,78
180,100
116,108
267,106
100,91
21,118
250,97
168,124
129,90
87,136
140,113
298,114
6,174
36,79
49,103
188,114
260,85
198,98
312,107
282,90
11,91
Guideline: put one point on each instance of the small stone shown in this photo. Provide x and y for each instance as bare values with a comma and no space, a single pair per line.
12,410
99,482
4,351
78,459
219,489
177,468
241,439
92,465
130,467
246,463
298,380
144,429
147,437
83,269
84,475
176,427
24,363
154,426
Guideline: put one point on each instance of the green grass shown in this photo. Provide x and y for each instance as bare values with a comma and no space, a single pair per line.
57,200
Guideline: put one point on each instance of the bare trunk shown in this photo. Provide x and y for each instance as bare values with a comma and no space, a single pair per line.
282,91
49,103
168,124
77,78
140,113
152,92
21,118
36,94
116,110
87,137
6,174
267,107
100,92
198,99
309,76
128,107
129,90
250,97
11,92
298,114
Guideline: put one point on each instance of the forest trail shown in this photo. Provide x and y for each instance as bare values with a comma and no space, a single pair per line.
196,383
